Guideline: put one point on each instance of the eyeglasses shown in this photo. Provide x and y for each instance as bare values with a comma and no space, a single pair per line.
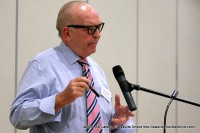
91,29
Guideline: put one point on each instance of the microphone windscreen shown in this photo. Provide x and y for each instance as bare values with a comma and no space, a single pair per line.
117,71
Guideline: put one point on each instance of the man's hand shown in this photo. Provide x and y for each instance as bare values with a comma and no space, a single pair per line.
122,113
75,88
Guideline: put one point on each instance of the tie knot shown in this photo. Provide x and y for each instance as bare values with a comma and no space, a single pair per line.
83,62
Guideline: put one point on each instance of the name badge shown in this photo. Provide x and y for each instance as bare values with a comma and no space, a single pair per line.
106,93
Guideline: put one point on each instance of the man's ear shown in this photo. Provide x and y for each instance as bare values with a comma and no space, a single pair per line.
65,33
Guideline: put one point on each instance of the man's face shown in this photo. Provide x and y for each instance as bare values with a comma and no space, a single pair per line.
82,43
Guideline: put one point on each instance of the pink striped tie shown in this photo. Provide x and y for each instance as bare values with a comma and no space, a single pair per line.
93,114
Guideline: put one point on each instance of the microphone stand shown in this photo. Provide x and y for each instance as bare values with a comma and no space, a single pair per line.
138,87
172,97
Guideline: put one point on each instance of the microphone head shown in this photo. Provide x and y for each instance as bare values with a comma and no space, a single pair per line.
117,71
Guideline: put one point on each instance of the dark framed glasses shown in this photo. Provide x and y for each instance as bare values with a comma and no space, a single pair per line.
91,29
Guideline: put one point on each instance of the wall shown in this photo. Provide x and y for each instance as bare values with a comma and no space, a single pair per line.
155,41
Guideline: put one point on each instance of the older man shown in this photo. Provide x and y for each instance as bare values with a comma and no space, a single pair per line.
63,90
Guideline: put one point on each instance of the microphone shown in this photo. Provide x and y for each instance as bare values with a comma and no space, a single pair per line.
125,87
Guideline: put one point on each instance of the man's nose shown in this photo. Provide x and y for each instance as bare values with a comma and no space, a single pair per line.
96,33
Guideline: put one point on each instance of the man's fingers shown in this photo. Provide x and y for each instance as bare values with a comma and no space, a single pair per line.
82,82
82,79
119,121
128,112
117,100
83,85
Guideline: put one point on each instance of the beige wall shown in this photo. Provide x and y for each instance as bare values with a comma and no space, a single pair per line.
7,62
155,41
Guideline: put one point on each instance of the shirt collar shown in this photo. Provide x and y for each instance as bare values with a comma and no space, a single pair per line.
69,55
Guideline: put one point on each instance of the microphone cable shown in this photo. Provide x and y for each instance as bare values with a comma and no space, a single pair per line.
174,95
